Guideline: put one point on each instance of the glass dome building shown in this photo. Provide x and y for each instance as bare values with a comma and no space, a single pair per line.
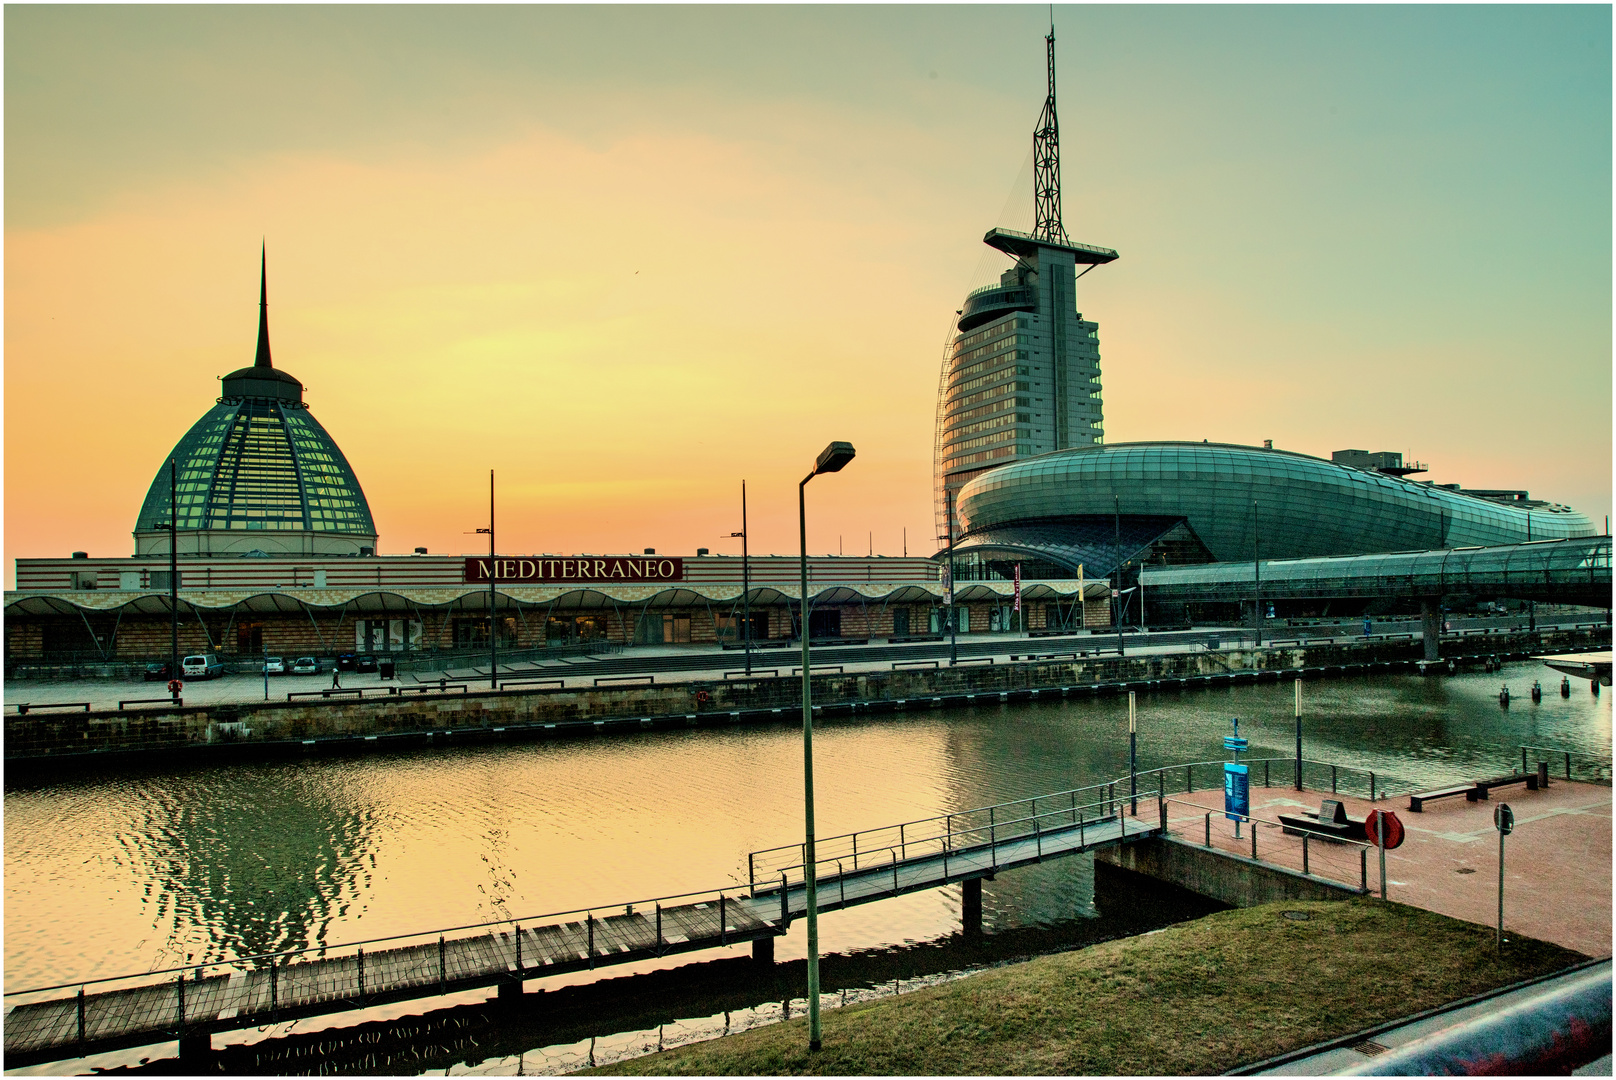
258,474
1180,502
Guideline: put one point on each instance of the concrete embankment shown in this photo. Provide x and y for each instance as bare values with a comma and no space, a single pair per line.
315,725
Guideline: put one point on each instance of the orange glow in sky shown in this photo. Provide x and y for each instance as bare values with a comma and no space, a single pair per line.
628,257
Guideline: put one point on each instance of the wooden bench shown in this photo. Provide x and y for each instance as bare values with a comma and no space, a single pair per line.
1416,803
1330,822
1484,786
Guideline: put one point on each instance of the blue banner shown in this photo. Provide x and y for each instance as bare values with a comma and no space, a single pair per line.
1236,792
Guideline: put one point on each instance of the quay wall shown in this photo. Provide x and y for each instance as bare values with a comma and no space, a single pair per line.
1232,879
317,724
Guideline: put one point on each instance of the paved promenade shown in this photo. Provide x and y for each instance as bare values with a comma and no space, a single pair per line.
1557,862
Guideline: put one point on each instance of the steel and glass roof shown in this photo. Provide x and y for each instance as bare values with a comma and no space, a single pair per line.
1241,500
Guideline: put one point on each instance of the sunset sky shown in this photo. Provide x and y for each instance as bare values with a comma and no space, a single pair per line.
629,256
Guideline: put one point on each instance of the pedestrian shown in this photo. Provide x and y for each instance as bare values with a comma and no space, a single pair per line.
336,678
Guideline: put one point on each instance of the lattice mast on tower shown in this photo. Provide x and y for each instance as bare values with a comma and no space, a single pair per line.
1046,162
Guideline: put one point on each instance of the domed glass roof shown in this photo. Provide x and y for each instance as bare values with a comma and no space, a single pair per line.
258,462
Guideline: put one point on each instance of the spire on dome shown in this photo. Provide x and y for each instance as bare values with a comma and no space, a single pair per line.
262,359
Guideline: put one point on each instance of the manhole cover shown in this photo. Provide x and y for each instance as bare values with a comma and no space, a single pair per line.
1299,916
1464,870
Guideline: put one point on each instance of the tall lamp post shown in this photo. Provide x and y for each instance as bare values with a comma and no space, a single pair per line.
953,588
173,585
493,576
746,586
831,459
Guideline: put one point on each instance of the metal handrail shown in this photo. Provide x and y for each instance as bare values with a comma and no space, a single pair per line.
1524,747
1207,814
241,960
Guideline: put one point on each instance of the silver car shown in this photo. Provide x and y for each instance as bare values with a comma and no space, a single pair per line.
274,665
305,665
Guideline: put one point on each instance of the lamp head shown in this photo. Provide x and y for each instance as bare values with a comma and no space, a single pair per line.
833,458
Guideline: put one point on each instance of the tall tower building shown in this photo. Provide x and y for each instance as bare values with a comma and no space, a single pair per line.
1021,375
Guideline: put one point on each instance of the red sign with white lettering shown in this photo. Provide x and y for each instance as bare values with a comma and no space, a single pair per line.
549,570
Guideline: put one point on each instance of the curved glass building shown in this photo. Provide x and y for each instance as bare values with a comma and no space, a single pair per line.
1101,507
258,474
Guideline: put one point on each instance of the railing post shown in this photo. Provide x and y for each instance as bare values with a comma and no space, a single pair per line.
361,972
1080,840
589,921
855,851
1363,869
948,844
723,923
1372,785
751,874
179,989
518,947
1189,780
1568,765
1209,828
841,880
894,873
1332,779
1304,854
1523,759
1038,831
1265,773
659,929
903,843
81,1015
1161,800
1252,822
443,967
785,909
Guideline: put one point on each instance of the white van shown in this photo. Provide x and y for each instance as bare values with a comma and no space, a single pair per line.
202,666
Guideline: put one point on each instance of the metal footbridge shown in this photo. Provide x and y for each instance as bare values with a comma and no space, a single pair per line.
191,1003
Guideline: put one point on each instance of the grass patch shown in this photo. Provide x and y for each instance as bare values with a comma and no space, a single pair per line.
1197,998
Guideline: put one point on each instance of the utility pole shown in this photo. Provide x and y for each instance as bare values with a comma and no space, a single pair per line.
493,576
1256,563
173,583
953,588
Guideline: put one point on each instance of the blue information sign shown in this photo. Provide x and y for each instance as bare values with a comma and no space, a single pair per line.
1236,792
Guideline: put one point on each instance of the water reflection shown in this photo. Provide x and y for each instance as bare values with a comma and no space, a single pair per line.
119,871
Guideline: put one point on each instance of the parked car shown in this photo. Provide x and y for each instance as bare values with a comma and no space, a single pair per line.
347,662
274,665
158,671
305,665
202,666
367,663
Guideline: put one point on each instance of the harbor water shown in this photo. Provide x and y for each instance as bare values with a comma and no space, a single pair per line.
113,871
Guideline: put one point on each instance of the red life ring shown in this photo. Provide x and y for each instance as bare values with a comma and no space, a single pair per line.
175,686
701,696
1394,828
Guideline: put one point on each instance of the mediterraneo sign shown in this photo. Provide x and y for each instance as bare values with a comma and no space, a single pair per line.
553,571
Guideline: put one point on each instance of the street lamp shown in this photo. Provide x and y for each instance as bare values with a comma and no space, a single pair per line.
746,586
831,459
493,575
173,586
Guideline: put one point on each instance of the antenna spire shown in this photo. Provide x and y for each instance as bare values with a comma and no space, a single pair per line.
262,359
1046,158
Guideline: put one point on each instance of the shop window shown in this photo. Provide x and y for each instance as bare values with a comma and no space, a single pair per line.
825,624
676,629
900,622
565,630
473,633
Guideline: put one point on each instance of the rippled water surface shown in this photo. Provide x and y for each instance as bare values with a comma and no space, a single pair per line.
114,872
